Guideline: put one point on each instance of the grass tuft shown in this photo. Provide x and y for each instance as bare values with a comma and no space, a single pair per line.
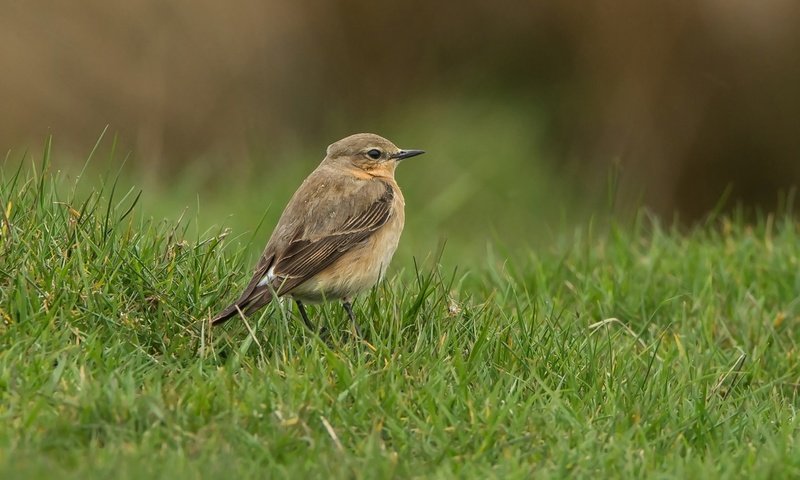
639,350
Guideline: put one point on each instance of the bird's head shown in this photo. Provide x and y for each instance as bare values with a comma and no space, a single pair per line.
370,153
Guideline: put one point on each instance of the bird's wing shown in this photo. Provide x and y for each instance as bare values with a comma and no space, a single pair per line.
283,268
304,258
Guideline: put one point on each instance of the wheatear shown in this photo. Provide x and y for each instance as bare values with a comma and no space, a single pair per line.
337,234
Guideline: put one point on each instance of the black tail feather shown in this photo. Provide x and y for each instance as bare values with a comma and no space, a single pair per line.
225,315
245,305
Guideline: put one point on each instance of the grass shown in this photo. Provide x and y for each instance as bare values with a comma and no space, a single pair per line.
621,350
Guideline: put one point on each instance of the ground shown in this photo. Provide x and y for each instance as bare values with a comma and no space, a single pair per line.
621,349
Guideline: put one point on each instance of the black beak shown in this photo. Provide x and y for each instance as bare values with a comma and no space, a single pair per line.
403,154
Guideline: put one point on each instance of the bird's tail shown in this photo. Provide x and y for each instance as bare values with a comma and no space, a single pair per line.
225,315
246,304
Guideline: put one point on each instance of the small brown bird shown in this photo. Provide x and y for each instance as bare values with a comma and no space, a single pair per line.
338,233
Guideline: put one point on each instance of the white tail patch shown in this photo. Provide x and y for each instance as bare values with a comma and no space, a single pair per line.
267,278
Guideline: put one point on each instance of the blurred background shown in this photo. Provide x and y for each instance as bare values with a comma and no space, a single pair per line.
533,113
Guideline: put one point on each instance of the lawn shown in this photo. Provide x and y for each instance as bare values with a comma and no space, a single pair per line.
621,348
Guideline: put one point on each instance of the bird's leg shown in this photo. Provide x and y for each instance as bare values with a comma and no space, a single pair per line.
304,315
323,332
348,307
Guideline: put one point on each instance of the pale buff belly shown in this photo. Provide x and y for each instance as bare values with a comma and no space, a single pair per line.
358,269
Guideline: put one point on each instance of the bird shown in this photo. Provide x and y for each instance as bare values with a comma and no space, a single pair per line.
337,234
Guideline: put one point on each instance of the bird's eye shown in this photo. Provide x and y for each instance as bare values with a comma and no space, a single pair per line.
374,154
